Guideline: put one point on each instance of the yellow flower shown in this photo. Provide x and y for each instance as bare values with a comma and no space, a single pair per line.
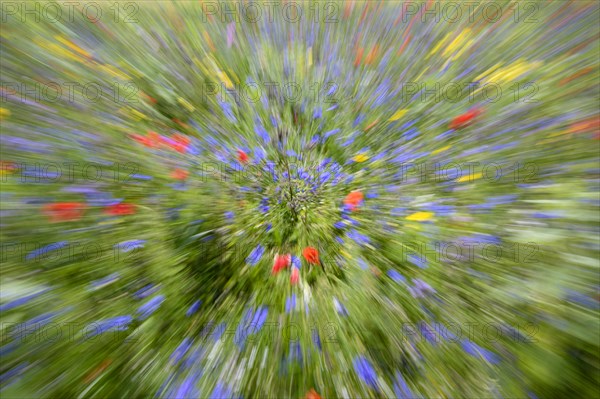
420,216
225,79
399,114
4,112
186,104
72,46
470,177
360,158
441,150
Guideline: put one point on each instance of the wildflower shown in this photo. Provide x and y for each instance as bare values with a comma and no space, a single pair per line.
180,174
359,238
194,308
44,250
295,352
397,277
242,157
281,262
295,276
360,158
312,394
150,307
97,284
353,199
21,301
120,209
311,255
127,246
341,309
119,323
401,389
64,211
221,392
145,291
465,119
417,261
147,141
420,289
420,216
365,371
181,350
317,113
290,303
230,33
296,262
255,255
477,351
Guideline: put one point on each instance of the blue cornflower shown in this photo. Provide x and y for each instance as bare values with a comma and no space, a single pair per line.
21,301
181,350
145,291
52,247
194,308
365,371
397,277
317,113
221,391
127,246
255,255
296,262
363,265
290,303
341,309
150,307
331,133
316,338
357,237
96,284
477,351
119,323
295,352
262,133
401,389
421,263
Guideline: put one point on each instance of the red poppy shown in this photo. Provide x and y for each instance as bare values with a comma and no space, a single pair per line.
281,262
7,166
353,199
183,139
120,209
181,143
96,372
144,140
242,156
359,55
465,119
64,211
312,394
311,255
180,174
295,276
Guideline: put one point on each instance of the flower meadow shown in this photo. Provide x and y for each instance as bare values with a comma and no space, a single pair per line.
300,200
